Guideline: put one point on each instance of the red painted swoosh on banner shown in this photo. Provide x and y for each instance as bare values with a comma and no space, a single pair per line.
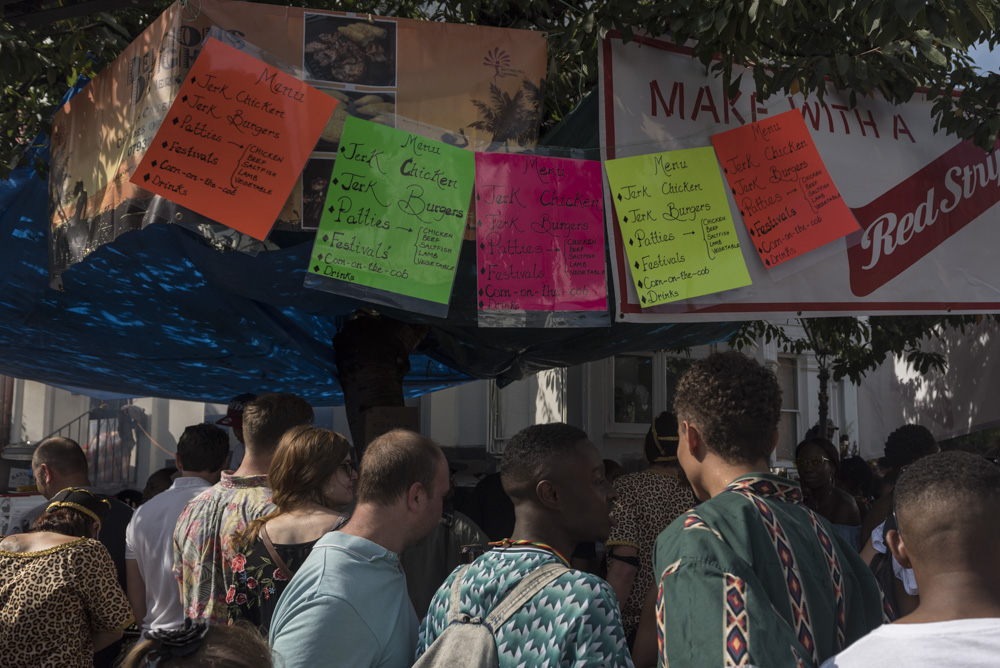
909,221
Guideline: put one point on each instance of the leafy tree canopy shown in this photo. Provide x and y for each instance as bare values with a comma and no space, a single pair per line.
889,46
855,346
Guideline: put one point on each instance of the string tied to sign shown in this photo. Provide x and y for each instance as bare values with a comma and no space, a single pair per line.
190,10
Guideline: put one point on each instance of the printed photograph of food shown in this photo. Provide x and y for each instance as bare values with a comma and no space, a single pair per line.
350,50
315,183
375,107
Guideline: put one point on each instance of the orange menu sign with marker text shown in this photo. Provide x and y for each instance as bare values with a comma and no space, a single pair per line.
785,195
236,138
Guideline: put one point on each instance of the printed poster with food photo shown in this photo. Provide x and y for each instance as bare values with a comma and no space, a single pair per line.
473,87
356,51
375,107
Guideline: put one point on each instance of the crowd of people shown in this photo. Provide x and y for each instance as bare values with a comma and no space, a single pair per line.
303,557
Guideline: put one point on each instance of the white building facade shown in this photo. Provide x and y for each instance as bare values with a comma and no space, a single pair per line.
613,400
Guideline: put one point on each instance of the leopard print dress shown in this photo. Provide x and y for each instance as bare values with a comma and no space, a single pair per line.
52,602
648,501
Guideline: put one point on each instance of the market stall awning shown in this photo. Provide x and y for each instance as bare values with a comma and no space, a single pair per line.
159,313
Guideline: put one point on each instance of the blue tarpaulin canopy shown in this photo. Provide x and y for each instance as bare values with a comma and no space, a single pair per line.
158,312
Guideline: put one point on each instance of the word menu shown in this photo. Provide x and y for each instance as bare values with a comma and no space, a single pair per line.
785,195
395,212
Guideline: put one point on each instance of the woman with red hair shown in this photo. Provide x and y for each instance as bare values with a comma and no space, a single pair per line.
312,479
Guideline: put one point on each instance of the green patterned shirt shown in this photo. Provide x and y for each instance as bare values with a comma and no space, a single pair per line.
573,622
753,577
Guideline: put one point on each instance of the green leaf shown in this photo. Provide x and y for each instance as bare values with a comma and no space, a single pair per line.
933,55
703,22
117,27
909,9
961,30
985,19
734,86
873,19
843,62
937,21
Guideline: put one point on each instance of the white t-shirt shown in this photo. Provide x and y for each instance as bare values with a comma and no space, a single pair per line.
969,643
149,540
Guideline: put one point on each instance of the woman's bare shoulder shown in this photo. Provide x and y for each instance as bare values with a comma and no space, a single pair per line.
35,542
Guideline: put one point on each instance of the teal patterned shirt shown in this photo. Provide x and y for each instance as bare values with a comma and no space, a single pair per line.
573,622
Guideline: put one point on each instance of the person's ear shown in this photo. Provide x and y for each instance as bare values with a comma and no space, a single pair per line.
695,442
895,542
415,496
548,493
774,442
95,530
178,463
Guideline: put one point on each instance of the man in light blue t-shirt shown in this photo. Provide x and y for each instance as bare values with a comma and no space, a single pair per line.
348,605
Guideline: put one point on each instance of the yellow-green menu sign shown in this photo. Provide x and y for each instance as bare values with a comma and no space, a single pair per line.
675,225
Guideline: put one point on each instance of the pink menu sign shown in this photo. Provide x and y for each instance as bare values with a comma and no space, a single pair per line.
539,234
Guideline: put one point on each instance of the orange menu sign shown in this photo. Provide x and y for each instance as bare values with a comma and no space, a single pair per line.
785,195
236,138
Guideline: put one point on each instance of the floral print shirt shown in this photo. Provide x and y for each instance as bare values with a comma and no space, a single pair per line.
203,557
258,582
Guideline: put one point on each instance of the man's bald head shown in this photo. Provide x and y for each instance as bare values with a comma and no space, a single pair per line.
64,455
946,506
58,463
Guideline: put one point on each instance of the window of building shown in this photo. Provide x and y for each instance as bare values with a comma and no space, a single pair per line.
788,427
643,384
633,389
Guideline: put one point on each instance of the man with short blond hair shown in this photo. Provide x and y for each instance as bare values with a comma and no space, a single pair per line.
347,604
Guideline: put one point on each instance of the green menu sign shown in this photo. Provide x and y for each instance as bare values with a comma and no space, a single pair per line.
394,216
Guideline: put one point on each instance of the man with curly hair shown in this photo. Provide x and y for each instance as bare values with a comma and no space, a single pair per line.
750,576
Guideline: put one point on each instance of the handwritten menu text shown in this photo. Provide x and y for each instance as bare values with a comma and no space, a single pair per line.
235,139
785,195
539,234
675,225
395,212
